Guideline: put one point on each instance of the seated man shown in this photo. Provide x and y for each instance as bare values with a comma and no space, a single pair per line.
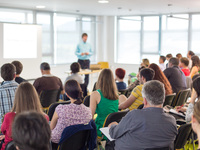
149,127
75,68
7,89
135,99
175,76
47,81
19,67
184,62
162,63
31,131
120,73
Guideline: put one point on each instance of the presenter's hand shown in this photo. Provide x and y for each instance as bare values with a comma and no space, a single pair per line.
86,53
82,54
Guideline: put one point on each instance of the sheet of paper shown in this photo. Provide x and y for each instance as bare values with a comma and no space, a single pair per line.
105,131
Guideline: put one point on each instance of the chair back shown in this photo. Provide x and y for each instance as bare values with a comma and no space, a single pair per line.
184,133
169,99
181,98
124,91
10,146
116,116
84,89
47,97
86,101
161,148
189,82
76,141
104,64
141,106
53,106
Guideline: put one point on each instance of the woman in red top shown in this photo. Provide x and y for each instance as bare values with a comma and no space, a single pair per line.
26,99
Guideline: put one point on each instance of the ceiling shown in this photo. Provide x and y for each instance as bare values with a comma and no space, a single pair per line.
114,7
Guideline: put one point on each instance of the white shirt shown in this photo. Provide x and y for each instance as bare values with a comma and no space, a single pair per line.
162,66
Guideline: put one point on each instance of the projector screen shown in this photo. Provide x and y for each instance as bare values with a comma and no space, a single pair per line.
19,41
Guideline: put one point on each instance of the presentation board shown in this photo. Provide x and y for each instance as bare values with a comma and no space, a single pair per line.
22,42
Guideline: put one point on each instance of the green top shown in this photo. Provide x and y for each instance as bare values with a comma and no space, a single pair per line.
104,108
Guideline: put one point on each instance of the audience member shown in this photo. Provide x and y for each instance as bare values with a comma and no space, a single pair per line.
30,131
26,99
162,63
19,67
71,114
179,55
136,99
75,68
160,76
195,65
104,100
47,81
145,63
175,76
7,89
149,127
184,62
189,56
120,73
168,56
196,121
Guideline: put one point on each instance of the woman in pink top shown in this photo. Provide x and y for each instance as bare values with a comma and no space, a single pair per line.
72,114
26,99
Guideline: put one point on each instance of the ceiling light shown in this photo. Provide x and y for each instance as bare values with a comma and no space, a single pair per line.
103,1
40,6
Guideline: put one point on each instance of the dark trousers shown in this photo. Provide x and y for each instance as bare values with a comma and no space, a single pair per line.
85,64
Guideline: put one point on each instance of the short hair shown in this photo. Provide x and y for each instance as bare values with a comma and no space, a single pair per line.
196,86
163,58
147,73
174,61
191,53
185,61
154,92
179,55
84,34
75,67
119,72
169,56
30,130
45,66
19,66
8,72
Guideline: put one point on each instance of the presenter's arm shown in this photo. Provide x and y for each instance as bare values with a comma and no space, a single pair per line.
90,51
78,51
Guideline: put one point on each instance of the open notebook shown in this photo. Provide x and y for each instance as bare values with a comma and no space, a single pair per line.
105,131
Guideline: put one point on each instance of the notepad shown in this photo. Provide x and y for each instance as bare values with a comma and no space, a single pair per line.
177,113
105,131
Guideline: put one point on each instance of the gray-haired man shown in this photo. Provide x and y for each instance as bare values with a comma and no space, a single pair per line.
145,128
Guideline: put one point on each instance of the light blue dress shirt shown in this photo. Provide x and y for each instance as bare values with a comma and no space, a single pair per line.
83,47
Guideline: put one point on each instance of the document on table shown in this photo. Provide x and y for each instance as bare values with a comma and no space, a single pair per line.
177,113
105,131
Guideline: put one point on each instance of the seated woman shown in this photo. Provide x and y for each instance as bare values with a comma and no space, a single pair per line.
195,65
196,121
104,100
71,114
120,73
75,68
26,99
160,76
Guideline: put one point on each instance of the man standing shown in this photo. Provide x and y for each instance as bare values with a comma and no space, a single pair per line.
189,56
84,52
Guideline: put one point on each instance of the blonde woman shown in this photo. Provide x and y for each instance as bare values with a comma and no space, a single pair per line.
26,99
104,100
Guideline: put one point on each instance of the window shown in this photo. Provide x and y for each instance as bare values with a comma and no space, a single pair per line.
174,34
128,40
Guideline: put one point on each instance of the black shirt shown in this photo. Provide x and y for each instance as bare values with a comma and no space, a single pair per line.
19,80
176,78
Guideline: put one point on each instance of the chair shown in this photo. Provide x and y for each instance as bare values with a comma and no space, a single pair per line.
10,146
161,148
124,91
103,64
84,89
47,97
189,82
53,106
169,99
116,116
141,106
86,101
181,98
184,133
